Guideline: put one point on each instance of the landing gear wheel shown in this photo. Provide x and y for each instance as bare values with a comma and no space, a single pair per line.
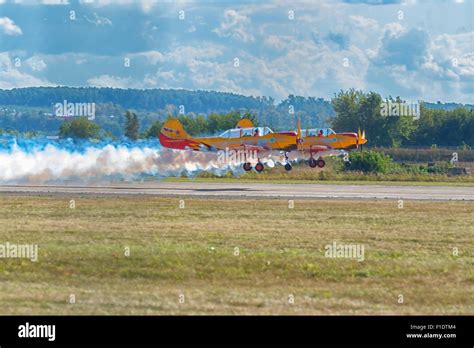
312,162
321,163
288,167
247,166
259,167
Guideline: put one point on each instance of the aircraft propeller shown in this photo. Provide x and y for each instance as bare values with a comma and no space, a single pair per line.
360,136
298,134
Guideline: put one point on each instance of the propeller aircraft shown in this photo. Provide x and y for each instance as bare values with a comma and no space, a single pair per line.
244,137
313,144
322,142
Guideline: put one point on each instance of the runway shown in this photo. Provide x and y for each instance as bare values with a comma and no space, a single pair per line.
263,190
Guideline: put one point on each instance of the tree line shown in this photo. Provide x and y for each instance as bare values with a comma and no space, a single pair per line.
81,127
24,112
436,124
430,127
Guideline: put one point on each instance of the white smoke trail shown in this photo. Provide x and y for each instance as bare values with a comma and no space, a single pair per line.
52,164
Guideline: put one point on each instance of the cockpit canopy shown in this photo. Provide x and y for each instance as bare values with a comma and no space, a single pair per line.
246,132
314,132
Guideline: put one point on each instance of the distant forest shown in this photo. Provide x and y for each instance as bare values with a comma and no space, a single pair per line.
32,109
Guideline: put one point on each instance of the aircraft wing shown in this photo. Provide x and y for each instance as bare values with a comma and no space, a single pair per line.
320,151
247,147
314,149
201,146
317,148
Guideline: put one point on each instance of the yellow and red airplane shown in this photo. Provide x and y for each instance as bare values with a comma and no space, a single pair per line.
244,137
322,142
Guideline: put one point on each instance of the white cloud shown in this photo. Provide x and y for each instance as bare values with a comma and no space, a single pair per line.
415,65
153,57
161,79
235,25
55,2
393,29
36,63
306,68
98,20
279,56
451,58
38,2
277,42
9,27
188,54
147,5
11,77
364,22
111,81
100,3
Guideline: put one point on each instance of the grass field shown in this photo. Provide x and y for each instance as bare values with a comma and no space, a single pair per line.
185,261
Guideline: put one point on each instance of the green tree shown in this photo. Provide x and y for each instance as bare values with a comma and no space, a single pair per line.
132,126
154,130
356,109
79,128
444,127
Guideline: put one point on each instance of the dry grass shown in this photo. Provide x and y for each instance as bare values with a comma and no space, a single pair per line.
191,251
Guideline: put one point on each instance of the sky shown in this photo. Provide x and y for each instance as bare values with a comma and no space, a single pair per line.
415,49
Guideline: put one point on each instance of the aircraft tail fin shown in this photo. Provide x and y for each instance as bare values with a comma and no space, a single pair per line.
244,123
174,129
173,136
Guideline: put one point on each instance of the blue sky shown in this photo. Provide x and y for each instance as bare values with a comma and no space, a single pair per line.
415,49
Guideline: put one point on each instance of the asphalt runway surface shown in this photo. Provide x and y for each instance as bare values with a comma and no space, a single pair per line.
263,190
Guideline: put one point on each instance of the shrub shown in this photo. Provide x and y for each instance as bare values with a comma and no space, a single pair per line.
79,128
370,161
